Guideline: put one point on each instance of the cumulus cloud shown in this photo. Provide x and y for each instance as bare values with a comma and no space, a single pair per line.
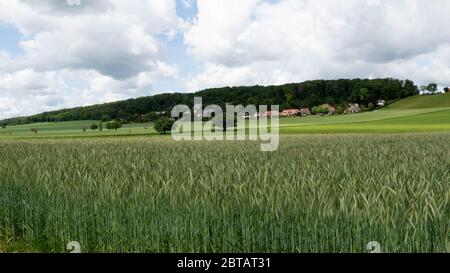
113,41
29,81
61,7
101,88
114,38
296,40
27,91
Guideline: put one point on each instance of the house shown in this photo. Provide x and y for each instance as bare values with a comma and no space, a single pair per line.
271,114
353,108
251,116
305,112
291,113
381,102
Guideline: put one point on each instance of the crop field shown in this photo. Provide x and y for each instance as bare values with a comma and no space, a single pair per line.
381,122
422,102
317,193
336,183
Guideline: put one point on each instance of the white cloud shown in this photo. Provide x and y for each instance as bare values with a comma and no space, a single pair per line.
27,91
101,88
6,104
295,40
28,81
118,42
115,42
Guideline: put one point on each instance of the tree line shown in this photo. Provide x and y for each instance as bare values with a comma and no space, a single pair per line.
307,94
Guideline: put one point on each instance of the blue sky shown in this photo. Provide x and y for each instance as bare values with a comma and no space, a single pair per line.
55,56
10,39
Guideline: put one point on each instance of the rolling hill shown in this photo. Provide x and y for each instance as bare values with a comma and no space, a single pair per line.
387,120
422,102
294,95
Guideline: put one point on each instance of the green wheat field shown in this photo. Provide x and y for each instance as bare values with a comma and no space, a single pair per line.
335,184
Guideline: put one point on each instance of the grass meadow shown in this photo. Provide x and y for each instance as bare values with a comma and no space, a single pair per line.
378,122
317,193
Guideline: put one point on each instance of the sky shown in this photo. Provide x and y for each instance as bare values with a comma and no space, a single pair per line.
54,55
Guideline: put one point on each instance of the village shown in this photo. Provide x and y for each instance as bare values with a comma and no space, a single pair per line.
322,110
351,108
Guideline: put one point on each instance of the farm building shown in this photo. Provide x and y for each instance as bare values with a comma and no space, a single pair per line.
305,111
353,108
271,114
249,116
291,113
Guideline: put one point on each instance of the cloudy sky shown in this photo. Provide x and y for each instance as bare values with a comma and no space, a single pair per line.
55,55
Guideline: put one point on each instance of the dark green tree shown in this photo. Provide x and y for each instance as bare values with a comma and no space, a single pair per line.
164,125
409,89
94,127
113,125
432,88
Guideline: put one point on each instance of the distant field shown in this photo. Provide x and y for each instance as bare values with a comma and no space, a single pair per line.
422,102
415,114
72,129
329,193
383,121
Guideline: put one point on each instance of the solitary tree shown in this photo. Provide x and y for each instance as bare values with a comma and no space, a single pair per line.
34,130
94,127
113,125
164,125
4,126
84,129
100,127
423,88
446,90
117,125
432,88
